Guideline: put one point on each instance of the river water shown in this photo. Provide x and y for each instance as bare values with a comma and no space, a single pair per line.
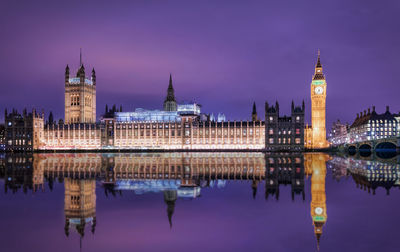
198,202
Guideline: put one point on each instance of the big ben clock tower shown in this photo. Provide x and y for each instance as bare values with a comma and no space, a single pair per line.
318,107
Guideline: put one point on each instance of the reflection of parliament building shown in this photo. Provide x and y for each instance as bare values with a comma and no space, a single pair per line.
286,170
184,175
176,127
175,175
80,204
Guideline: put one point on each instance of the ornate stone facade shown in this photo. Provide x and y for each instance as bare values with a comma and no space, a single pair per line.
188,134
176,127
284,133
21,130
316,135
170,102
80,96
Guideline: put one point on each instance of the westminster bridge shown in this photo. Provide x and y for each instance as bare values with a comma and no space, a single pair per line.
383,144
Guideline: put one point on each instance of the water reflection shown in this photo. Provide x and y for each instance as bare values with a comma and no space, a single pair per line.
316,167
79,205
185,175
368,174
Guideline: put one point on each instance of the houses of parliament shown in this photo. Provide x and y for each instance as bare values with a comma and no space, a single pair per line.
178,126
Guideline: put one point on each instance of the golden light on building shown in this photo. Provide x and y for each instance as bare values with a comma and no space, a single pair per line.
80,96
315,136
152,135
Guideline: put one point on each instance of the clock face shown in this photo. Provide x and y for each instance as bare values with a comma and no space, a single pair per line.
318,210
319,90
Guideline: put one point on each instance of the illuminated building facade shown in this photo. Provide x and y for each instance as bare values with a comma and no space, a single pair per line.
80,96
82,136
338,134
188,134
176,127
372,126
397,117
144,115
315,136
284,133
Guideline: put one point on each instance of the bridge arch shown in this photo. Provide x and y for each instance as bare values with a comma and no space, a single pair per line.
386,146
365,150
352,150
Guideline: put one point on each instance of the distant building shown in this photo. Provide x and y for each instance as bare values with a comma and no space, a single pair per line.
284,133
371,126
20,130
338,134
189,108
144,115
397,117
221,117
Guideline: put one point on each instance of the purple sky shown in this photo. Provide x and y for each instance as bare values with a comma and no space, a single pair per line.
222,54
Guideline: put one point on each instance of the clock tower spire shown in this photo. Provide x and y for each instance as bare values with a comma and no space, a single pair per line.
318,74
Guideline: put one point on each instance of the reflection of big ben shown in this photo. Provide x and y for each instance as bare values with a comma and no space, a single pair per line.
318,108
79,204
316,165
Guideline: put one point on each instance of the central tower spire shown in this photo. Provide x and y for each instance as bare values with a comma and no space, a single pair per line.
318,74
170,102
254,113
319,61
80,57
